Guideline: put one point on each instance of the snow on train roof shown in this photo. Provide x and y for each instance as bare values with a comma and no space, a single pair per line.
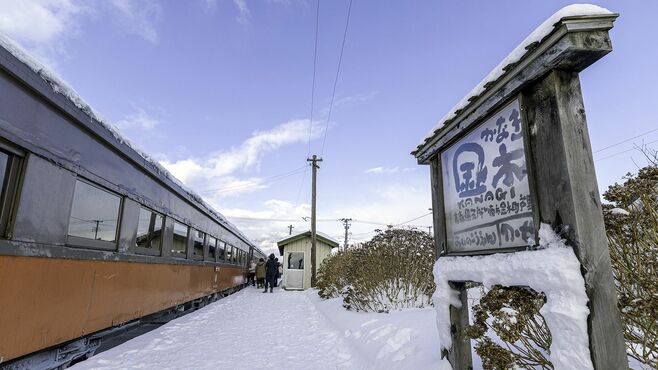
515,56
59,86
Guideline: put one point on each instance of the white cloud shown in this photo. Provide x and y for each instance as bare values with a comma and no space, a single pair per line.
41,26
387,170
244,14
381,205
139,119
230,186
384,204
262,226
210,5
355,99
139,17
246,156
37,21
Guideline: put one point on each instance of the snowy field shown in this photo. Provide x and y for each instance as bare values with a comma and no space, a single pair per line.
283,330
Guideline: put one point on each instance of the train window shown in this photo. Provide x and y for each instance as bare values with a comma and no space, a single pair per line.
10,163
180,239
199,237
94,215
149,231
221,248
212,248
229,253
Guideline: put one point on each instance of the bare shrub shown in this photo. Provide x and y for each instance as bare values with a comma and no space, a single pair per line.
391,271
332,280
512,315
632,229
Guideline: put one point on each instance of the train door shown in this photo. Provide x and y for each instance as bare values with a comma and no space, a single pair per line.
295,270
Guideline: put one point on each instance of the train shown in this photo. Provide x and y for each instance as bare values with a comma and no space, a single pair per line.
95,236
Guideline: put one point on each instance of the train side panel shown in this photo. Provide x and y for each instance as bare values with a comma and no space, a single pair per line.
47,301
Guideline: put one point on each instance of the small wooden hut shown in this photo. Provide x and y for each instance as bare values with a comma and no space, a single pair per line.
296,252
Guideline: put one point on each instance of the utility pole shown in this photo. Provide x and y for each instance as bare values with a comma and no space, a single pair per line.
290,227
314,164
346,223
98,222
429,230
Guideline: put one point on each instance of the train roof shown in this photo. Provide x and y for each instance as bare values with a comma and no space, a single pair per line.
39,78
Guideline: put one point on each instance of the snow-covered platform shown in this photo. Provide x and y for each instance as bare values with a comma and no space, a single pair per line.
283,330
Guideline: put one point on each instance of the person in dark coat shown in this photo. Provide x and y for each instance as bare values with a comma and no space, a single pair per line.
260,273
276,274
271,269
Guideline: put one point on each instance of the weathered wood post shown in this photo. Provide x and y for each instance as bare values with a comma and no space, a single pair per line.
517,154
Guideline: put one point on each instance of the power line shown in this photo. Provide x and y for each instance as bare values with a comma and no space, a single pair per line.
310,123
263,219
301,185
315,61
413,219
625,141
256,184
622,152
395,225
321,220
333,93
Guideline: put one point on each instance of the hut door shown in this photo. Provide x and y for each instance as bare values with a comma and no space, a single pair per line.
295,270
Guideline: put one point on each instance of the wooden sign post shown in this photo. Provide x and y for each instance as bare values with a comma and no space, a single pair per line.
518,154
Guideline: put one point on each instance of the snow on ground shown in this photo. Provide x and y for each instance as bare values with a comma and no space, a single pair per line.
284,330
553,270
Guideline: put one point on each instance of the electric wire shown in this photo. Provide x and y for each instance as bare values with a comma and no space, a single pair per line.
622,152
256,184
310,123
333,93
315,61
625,141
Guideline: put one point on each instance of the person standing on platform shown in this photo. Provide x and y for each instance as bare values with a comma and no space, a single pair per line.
260,273
276,274
252,273
271,269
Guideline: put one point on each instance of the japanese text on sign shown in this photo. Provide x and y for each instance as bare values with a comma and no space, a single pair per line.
485,186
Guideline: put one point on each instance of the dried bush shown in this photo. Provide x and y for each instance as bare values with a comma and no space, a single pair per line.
391,271
512,314
331,279
632,228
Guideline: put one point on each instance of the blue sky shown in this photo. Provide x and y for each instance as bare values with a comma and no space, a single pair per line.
220,92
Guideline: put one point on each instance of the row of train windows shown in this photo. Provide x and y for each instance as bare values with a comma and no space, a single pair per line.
95,216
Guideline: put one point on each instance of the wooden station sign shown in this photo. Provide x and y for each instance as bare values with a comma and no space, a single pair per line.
486,191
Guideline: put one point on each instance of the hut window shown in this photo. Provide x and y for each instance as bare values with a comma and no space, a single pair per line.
94,214
199,237
212,248
180,239
296,261
149,231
